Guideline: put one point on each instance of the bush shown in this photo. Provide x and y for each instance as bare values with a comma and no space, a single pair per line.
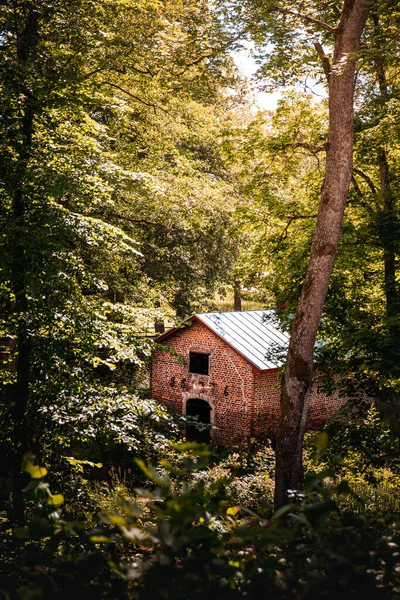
190,546
253,492
247,474
361,452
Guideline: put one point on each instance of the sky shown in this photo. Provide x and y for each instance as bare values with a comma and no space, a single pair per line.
247,66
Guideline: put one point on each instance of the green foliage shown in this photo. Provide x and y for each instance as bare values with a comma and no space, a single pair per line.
113,208
362,452
109,416
177,541
132,179
357,430
248,476
281,181
282,162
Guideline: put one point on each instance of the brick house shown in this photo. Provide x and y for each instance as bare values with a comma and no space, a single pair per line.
222,370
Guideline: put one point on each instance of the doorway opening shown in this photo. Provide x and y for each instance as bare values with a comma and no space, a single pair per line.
200,409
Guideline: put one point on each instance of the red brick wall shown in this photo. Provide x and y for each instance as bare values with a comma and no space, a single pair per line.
266,395
251,408
231,414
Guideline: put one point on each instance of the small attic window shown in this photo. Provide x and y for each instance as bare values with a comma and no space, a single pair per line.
199,363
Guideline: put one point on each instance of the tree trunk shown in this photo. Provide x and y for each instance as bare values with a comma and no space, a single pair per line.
297,379
388,225
27,41
388,237
159,326
237,299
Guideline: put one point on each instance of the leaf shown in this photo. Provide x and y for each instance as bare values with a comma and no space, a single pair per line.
80,463
34,471
321,441
39,529
233,511
234,563
56,499
152,474
136,536
315,480
283,511
197,449
316,512
115,519
36,490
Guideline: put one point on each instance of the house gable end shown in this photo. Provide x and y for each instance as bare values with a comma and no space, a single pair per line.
228,388
187,324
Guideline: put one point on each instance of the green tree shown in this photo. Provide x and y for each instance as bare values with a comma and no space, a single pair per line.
359,322
88,127
294,32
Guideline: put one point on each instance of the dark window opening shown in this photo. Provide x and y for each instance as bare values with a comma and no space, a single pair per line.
196,428
199,363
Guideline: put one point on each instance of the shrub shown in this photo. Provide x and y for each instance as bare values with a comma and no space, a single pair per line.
247,475
196,547
360,451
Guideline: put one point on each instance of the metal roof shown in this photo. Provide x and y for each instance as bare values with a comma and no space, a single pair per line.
255,334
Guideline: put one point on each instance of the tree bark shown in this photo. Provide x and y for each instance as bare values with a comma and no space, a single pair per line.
388,237
297,378
388,225
26,44
237,299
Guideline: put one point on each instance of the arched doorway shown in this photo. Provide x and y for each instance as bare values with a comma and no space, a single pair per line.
200,409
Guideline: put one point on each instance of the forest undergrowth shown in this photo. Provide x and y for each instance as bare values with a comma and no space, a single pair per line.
200,521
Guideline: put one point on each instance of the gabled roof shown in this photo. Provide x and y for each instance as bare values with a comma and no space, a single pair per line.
252,333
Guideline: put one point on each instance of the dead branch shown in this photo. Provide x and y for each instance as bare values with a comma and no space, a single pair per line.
367,179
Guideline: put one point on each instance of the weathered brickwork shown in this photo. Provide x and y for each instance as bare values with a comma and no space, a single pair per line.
228,389
267,393
244,403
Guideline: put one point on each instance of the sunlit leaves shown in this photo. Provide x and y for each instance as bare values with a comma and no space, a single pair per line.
35,471
126,201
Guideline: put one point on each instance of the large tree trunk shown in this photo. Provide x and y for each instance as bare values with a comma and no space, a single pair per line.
297,379
388,229
388,226
27,41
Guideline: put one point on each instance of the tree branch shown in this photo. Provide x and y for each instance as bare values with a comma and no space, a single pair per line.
212,52
310,147
194,62
120,70
361,199
156,106
309,19
290,220
326,63
367,179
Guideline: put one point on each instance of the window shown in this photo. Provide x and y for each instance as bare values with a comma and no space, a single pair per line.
199,363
